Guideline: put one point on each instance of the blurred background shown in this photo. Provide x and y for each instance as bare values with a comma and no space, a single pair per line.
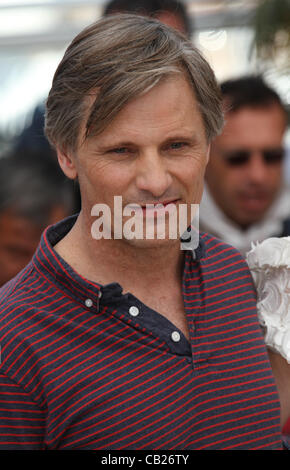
236,36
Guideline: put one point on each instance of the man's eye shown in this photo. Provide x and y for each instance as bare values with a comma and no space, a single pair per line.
120,150
177,145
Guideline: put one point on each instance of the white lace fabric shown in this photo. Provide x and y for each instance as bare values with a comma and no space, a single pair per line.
269,262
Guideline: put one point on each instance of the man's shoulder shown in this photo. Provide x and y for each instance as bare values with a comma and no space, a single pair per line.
16,294
19,317
216,248
221,259
16,283
225,269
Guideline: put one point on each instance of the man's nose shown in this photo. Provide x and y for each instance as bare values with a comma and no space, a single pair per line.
153,175
257,168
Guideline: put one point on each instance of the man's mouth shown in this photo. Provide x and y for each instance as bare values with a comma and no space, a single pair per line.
160,203
151,208
153,205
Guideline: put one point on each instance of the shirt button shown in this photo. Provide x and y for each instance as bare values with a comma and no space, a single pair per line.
88,302
175,336
134,311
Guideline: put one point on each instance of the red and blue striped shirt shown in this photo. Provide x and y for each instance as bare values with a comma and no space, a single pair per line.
85,366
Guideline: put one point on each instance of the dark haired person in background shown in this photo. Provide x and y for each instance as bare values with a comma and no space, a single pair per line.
33,194
171,12
245,198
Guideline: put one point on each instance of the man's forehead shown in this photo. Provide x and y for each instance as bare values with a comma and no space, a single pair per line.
179,83
247,119
172,19
263,110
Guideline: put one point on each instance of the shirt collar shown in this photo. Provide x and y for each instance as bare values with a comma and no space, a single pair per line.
55,269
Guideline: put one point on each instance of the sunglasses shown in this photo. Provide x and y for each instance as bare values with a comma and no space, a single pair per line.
242,157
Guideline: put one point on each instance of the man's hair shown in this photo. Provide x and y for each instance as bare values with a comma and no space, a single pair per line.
249,91
114,60
151,8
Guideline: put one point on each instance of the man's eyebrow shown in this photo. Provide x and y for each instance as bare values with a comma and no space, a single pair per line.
111,144
173,137
180,137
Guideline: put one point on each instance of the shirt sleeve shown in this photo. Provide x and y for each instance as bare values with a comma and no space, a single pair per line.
22,421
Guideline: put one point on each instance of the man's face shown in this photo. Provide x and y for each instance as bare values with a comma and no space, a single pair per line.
172,19
154,151
244,173
19,237
18,241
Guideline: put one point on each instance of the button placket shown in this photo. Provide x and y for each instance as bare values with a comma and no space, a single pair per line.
89,302
98,301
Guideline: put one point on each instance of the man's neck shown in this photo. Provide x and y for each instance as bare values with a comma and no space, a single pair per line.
105,261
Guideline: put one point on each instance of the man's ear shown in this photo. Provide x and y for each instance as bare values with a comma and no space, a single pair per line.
67,163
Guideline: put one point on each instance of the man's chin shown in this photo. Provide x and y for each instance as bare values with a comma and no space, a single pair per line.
155,243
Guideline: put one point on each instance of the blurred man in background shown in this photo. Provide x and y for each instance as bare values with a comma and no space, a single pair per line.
170,12
245,198
33,194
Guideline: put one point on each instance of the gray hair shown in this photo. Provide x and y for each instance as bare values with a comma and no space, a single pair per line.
114,60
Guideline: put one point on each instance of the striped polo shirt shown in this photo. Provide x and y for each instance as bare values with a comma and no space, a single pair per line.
86,366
